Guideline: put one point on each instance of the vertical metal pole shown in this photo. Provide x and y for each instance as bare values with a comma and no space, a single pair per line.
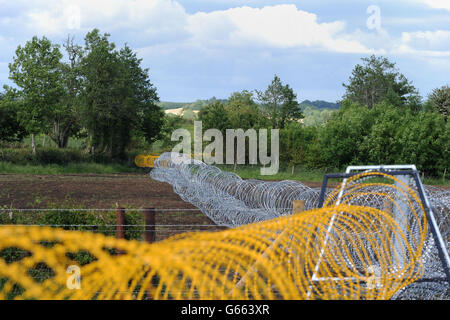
399,215
330,226
150,221
437,236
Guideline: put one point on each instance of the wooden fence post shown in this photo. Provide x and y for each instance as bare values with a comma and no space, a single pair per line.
120,223
150,221
298,206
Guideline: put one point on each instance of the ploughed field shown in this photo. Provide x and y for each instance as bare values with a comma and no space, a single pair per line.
103,191
95,191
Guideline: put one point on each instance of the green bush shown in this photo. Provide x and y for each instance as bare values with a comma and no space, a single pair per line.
43,156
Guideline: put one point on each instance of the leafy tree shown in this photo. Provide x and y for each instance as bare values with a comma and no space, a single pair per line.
379,80
380,145
295,142
440,100
424,139
215,116
280,103
66,121
243,112
36,72
338,141
100,87
10,128
171,123
118,97
148,117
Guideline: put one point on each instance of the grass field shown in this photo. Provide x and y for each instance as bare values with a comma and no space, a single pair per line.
97,168
304,175
244,171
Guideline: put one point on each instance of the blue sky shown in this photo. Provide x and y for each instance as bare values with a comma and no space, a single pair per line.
197,49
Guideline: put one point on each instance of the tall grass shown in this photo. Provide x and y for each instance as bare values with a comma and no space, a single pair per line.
77,168
302,174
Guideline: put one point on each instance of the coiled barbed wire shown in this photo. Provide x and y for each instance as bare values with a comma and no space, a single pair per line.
224,197
231,201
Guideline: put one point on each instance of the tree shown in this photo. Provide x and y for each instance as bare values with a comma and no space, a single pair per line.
66,122
171,123
100,86
440,100
379,80
243,112
296,140
280,103
148,117
214,116
425,140
118,98
37,74
338,142
10,128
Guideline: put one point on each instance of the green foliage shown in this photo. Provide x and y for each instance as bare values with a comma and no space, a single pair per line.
425,141
383,135
101,222
315,117
197,105
77,168
36,72
440,100
43,156
295,141
320,104
279,102
378,80
243,112
119,99
171,123
10,128
338,141
215,116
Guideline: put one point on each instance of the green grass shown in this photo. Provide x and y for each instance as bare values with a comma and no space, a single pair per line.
249,172
301,174
6,167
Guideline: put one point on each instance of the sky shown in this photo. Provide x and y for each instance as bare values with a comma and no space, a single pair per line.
197,49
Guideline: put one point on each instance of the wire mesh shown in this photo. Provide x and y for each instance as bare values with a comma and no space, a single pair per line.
229,200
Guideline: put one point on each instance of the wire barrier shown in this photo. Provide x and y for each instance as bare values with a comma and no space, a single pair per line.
231,201
224,197
342,251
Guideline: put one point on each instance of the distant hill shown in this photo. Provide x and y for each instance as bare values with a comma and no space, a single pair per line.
320,104
199,104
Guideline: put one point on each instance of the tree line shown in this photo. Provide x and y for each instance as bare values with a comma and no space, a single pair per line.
103,94
382,120
100,93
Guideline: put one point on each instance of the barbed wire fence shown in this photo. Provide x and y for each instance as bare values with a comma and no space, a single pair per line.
231,201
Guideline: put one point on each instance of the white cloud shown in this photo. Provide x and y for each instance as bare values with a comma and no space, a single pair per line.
281,26
160,21
165,26
437,4
426,43
149,17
